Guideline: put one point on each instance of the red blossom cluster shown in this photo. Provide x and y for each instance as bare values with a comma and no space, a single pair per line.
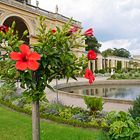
89,75
91,56
28,60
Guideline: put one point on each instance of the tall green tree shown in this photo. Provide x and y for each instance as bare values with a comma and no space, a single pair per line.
121,53
92,44
116,52
108,52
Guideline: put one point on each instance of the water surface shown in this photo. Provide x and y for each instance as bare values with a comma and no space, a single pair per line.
125,92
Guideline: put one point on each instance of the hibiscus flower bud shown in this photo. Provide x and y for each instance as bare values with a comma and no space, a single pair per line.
91,55
74,29
89,32
53,30
3,28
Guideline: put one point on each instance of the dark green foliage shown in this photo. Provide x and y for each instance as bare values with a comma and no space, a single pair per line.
96,71
94,104
92,44
121,52
117,116
7,91
116,52
124,74
8,71
108,52
57,59
135,110
102,71
119,65
113,76
122,126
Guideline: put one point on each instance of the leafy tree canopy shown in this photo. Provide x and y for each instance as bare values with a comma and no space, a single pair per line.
116,52
92,44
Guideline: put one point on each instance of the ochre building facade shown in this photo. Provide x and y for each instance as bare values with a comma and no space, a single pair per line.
26,17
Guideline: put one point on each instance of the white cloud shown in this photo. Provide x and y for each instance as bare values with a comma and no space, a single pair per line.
132,45
111,19
124,43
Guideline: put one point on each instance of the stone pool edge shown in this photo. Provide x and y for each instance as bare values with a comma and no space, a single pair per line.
103,82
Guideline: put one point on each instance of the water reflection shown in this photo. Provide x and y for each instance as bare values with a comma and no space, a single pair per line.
129,92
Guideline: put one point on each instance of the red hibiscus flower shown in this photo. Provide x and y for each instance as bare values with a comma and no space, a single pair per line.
89,75
91,55
25,59
89,32
4,28
74,29
53,30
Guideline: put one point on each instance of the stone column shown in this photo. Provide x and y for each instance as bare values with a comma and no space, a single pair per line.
99,63
112,63
107,63
123,64
93,63
89,65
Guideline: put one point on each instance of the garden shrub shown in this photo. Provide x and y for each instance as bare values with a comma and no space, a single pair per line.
94,122
119,65
122,126
118,116
8,71
66,113
81,117
123,75
7,91
135,110
27,107
20,101
96,71
126,130
102,71
119,71
113,76
94,104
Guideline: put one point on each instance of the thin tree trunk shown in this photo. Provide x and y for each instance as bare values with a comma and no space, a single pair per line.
35,121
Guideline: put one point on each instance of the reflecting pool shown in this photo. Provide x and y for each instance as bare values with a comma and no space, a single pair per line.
125,92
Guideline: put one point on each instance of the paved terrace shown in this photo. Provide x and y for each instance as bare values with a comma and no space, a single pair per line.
70,100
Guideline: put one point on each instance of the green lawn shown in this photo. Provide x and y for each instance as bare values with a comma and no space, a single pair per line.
15,126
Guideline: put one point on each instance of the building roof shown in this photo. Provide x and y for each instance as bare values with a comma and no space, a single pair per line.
38,11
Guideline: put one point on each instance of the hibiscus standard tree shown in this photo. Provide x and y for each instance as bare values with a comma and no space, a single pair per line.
50,58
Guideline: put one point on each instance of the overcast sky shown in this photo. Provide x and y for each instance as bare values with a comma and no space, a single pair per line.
116,23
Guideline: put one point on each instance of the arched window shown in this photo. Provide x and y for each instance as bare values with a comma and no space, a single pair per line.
20,27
